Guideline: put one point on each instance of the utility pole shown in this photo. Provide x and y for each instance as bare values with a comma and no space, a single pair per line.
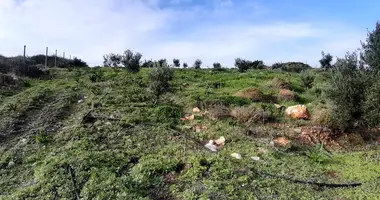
70,56
55,59
63,55
46,57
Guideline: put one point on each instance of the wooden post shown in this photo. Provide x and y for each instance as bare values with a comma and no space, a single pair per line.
24,54
46,56
55,59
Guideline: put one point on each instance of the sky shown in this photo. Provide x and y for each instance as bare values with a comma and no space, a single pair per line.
210,30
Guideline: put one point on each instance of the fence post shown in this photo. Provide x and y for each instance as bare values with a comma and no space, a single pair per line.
55,59
46,56
24,54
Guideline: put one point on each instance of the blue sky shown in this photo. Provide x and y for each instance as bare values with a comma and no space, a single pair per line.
212,30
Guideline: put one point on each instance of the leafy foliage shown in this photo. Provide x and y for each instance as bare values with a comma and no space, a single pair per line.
131,60
185,65
244,65
371,49
197,64
176,62
160,78
325,61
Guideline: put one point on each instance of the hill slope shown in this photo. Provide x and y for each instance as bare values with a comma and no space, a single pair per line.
98,134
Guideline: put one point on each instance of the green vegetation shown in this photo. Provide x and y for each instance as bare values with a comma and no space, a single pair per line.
133,130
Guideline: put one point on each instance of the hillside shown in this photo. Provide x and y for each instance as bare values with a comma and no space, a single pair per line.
99,134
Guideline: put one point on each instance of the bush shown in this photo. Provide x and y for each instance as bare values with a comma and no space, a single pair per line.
147,64
291,66
217,66
7,80
160,78
307,80
185,65
286,95
244,65
347,92
218,112
253,94
279,83
250,114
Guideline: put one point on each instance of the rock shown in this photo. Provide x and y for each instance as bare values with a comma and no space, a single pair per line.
281,141
236,155
255,158
190,117
80,101
220,141
297,112
11,164
196,110
108,123
210,145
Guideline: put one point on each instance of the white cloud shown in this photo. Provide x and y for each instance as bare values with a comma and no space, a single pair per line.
91,28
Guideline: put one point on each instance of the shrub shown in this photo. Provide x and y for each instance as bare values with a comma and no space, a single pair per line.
346,91
217,66
33,71
291,66
322,115
253,94
185,65
218,112
160,78
372,103
7,80
147,64
244,65
307,80
286,95
165,114
279,83
197,64
250,114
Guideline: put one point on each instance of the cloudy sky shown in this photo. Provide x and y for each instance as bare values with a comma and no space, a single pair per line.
211,30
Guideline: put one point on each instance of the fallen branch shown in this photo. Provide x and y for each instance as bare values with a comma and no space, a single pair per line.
320,184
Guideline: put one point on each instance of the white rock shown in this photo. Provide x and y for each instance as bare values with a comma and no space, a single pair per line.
256,158
80,101
210,145
236,155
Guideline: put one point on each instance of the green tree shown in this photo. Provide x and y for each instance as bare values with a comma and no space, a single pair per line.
185,65
160,78
217,66
371,49
131,60
197,64
176,62
325,61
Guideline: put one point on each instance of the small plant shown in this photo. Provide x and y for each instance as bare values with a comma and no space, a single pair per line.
219,112
307,80
253,94
250,114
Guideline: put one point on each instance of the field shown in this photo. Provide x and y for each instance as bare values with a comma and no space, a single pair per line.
99,134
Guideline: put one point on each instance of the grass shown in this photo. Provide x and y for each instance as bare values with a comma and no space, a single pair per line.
141,150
